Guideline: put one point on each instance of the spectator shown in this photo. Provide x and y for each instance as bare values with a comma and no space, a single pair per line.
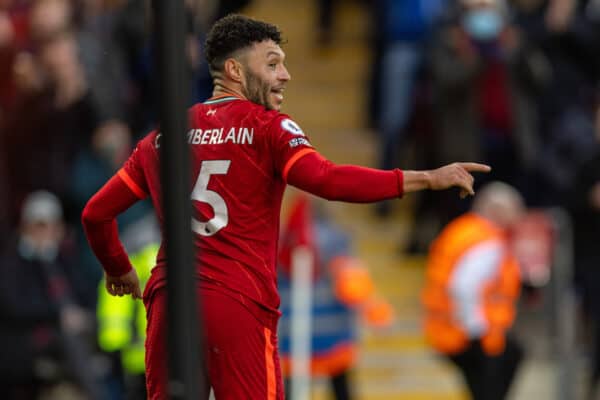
342,292
569,142
64,118
37,325
568,33
472,285
486,81
405,30
95,26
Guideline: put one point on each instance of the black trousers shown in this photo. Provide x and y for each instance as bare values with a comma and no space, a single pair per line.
489,378
594,382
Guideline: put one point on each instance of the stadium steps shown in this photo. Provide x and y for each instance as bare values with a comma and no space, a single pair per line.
327,98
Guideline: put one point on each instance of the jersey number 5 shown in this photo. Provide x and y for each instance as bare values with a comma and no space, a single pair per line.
201,193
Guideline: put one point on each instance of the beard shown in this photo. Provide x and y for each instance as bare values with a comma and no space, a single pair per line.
257,91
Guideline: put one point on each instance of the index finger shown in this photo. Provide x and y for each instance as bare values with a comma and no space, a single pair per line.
465,193
475,167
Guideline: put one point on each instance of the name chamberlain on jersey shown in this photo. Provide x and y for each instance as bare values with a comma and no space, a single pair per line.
241,135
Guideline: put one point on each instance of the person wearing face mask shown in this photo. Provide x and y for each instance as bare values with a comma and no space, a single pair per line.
482,22
42,299
486,79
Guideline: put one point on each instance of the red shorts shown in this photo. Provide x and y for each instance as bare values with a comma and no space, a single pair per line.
242,361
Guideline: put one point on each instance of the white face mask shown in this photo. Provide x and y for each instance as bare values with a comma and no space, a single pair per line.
32,250
483,24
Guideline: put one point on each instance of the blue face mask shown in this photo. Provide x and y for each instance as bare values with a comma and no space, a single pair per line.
483,24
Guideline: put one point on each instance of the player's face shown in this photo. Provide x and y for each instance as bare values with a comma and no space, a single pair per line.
265,75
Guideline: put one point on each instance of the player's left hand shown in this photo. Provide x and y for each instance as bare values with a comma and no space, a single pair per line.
128,283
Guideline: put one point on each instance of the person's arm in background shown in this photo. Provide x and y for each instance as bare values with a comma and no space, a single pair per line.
472,273
481,267
319,176
100,226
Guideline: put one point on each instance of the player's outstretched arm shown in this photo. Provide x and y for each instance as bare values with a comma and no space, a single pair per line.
457,174
351,183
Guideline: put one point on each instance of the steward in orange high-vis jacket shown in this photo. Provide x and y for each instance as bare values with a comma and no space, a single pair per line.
471,289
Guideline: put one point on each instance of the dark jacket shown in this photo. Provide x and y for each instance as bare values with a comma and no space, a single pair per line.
455,84
586,231
29,313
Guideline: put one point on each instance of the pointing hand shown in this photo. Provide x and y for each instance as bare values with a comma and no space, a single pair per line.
456,174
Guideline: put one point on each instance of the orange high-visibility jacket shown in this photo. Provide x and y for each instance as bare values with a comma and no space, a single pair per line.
472,284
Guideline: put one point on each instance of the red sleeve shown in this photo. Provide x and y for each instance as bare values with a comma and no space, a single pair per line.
132,172
289,144
349,183
100,225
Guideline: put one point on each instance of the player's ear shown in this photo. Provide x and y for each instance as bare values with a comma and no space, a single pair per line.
233,70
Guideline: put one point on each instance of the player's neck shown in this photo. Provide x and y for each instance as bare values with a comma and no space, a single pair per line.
222,90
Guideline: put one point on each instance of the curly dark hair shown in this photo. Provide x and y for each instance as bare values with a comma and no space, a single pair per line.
235,32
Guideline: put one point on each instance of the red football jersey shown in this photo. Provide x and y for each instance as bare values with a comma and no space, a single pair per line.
240,156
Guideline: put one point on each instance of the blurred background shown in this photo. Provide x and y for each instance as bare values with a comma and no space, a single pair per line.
411,84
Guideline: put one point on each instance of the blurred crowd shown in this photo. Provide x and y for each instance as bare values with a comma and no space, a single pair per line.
77,90
511,83
515,84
